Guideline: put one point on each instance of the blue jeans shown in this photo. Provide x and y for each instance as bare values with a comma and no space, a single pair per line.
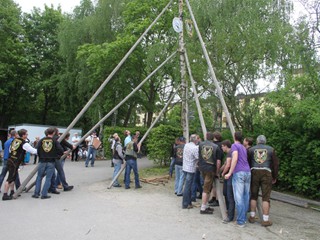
132,164
228,193
197,185
4,172
45,169
58,178
186,199
60,172
91,156
173,160
241,190
179,179
117,167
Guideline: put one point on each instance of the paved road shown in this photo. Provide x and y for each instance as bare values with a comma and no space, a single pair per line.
91,211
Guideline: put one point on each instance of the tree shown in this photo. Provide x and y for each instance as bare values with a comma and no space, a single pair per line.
13,65
46,64
245,40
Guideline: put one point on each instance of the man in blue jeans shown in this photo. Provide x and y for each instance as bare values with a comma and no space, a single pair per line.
241,178
4,171
48,151
132,149
190,158
117,159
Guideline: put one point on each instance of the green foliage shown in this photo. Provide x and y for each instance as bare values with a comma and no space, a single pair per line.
294,130
160,143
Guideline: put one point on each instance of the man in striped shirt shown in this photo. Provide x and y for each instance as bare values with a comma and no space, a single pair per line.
190,158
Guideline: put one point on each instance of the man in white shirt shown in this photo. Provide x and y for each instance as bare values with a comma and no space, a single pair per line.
128,137
92,151
190,158
75,139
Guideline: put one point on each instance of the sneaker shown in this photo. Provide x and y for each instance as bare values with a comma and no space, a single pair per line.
127,187
266,223
214,203
210,209
187,207
239,225
252,219
138,187
117,185
179,194
6,197
45,197
35,196
207,211
54,191
226,221
69,188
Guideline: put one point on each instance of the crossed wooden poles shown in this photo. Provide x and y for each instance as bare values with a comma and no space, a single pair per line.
183,51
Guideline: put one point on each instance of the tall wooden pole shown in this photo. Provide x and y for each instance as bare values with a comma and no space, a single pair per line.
196,97
213,75
184,85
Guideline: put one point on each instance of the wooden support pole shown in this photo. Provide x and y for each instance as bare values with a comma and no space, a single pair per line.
213,75
144,136
30,186
222,204
25,182
184,83
196,97
23,185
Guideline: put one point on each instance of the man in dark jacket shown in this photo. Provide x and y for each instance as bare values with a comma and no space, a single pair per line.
264,172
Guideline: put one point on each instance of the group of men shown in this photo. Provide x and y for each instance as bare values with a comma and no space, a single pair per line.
246,169
127,154
51,156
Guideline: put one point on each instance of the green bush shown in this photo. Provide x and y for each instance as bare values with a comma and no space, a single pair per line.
160,143
294,131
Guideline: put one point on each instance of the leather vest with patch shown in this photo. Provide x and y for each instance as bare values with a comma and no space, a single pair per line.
207,156
115,154
47,149
17,153
179,154
261,156
130,150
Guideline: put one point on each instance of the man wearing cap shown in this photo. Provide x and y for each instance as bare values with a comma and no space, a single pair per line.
117,159
92,151
264,171
75,139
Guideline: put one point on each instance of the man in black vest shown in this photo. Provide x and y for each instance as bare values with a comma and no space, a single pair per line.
117,159
132,149
48,150
178,156
264,172
208,156
18,149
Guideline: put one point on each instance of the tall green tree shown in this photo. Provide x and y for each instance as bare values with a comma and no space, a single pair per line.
13,65
245,40
42,33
